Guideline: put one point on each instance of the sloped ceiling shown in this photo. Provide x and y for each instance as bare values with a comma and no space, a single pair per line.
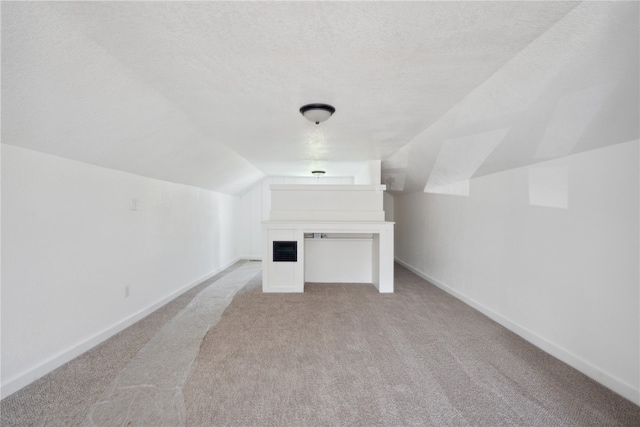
207,93
574,88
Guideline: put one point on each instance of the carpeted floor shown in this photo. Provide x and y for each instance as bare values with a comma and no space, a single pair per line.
347,355
65,397
339,354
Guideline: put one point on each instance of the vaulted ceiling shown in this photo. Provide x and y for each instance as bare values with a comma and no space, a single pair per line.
208,93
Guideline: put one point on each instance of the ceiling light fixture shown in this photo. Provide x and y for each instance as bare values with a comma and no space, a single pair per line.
317,174
317,112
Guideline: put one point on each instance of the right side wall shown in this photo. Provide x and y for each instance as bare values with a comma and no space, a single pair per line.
551,251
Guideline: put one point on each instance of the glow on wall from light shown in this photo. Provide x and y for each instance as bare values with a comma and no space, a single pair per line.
573,113
315,144
459,159
549,186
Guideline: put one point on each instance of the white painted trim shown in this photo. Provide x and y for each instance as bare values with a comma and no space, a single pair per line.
332,215
283,290
327,187
249,257
22,380
617,385
332,226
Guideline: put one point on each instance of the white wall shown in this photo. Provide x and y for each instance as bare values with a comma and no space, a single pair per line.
255,206
339,260
71,245
550,251
370,174
388,205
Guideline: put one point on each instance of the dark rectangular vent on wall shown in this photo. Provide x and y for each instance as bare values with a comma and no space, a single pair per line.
285,251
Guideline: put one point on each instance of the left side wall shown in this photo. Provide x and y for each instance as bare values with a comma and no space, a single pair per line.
87,251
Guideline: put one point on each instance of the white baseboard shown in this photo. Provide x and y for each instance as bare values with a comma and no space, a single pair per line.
249,257
22,380
622,388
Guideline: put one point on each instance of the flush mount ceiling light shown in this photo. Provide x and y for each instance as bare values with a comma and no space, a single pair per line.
317,174
317,112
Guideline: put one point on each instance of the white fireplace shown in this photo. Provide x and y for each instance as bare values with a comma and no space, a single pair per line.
326,233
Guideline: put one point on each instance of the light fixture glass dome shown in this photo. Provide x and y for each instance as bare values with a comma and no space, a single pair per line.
317,112
317,174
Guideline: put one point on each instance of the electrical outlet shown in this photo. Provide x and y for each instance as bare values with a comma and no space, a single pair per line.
133,205
126,291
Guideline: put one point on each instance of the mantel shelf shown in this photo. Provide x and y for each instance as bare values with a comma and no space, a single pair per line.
339,238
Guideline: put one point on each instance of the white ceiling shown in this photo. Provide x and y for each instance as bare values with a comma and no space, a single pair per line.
207,93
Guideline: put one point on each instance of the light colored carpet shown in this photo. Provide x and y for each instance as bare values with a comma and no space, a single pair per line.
65,397
343,354
336,355
148,391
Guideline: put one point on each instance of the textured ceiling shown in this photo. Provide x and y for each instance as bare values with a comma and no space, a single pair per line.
574,88
207,93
